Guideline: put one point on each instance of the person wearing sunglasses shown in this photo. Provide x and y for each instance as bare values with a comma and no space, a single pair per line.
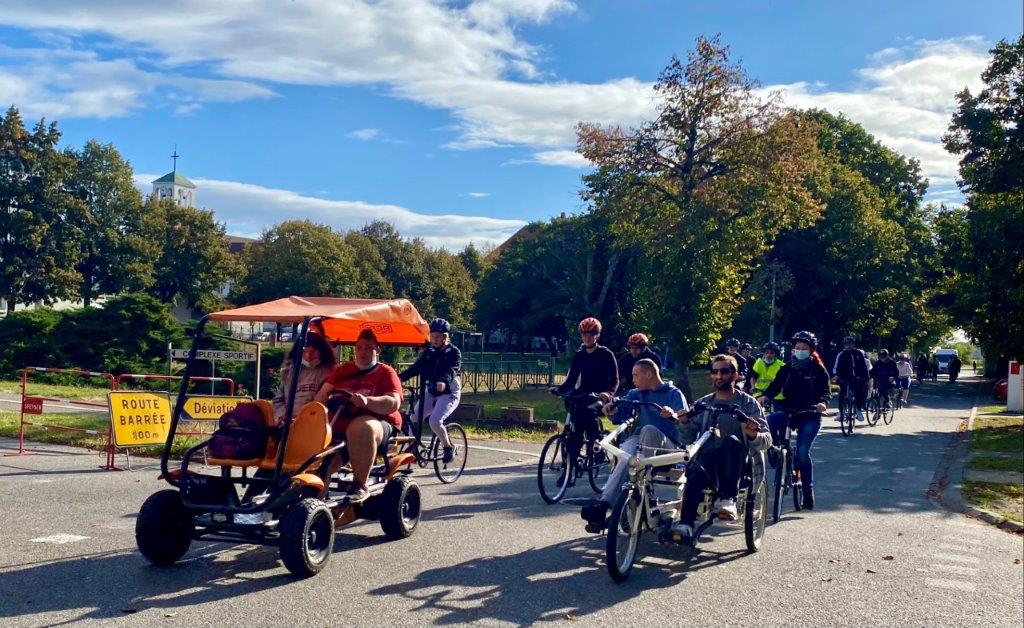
804,387
593,370
732,441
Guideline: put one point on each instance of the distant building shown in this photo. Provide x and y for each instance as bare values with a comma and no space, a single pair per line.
176,187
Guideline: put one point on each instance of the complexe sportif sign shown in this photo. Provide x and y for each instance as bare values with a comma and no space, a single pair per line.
139,417
210,407
210,354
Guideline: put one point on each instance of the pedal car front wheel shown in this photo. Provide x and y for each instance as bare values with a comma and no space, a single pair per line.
400,507
307,537
163,529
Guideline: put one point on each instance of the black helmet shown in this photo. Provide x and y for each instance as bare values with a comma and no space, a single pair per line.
771,346
849,340
747,347
732,342
805,336
883,353
441,325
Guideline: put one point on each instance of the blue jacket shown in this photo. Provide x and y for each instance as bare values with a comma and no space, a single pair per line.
666,395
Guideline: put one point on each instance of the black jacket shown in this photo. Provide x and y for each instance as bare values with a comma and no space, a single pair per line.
851,365
803,388
436,365
626,363
596,371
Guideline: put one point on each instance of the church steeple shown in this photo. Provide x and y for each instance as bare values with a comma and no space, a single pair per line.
175,186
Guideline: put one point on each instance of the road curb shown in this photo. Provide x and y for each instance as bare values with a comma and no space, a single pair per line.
946,489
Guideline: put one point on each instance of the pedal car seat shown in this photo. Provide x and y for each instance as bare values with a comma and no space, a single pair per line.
267,409
310,434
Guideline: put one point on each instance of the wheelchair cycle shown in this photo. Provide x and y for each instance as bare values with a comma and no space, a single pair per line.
638,508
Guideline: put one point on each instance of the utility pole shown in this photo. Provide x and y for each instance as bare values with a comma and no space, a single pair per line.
771,314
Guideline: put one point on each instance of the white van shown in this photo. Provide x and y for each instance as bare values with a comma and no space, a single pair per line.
943,356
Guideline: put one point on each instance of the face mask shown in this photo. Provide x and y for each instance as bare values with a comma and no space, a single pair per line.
308,363
372,363
801,354
768,360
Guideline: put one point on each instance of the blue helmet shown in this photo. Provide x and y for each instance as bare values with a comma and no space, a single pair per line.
441,325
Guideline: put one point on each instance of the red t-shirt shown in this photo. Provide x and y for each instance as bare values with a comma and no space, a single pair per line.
381,380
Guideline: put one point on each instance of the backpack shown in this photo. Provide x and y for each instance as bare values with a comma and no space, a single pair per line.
240,434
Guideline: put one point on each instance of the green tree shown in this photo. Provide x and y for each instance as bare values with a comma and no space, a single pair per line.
116,255
701,190
194,264
474,261
39,237
981,243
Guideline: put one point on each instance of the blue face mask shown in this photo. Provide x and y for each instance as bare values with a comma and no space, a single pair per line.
768,360
801,354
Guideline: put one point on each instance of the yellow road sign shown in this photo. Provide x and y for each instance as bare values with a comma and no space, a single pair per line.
139,417
210,407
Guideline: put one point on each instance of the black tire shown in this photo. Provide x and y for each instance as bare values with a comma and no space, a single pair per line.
872,411
164,528
755,517
553,470
451,471
307,537
797,487
890,412
400,507
847,416
781,467
600,467
620,549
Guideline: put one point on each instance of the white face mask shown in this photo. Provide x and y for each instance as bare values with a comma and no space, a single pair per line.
768,360
801,354
309,363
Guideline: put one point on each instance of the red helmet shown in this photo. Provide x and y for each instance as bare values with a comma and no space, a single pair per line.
637,340
590,324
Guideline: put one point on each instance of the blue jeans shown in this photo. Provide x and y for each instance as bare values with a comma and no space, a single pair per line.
806,430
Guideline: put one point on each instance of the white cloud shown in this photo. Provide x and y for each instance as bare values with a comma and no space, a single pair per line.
567,158
249,209
363,134
477,194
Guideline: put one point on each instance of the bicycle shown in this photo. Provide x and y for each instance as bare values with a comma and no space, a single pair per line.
447,472
637,508
848,410
882,408
787,476
557,470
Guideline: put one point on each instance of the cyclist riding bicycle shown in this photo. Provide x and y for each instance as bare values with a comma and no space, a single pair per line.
765,369
746,350
732,349
439,366
654,429
883,376
637,349
906,373
851,370
593,370
731,444
799,386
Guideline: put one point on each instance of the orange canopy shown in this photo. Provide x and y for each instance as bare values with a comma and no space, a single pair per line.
394,321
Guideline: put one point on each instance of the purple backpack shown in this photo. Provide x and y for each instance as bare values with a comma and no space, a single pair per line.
240,434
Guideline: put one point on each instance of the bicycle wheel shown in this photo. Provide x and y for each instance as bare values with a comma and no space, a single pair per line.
781,465
755,517
623,534
450,471
554,470
889,412
599,468
797,487
872,411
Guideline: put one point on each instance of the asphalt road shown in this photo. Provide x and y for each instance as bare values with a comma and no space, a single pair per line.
489,551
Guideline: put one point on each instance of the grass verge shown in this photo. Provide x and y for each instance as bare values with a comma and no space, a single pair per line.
993,463
996,431
59,391
1000,433
1006,500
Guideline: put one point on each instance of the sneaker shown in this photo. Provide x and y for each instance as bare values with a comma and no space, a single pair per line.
357,494
860,416
727,510
595,515
448,455
683,530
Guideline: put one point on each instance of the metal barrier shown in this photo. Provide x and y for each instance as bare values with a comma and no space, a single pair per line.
35,404
500,375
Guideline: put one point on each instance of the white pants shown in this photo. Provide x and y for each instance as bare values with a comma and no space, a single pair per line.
649,437
438,408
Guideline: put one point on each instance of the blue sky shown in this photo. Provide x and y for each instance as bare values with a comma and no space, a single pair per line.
454,120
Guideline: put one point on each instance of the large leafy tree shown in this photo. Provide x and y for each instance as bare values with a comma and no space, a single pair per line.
981,243
39,214
702,189
116,254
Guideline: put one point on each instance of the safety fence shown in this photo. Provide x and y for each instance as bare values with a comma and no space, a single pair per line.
501,375
153,407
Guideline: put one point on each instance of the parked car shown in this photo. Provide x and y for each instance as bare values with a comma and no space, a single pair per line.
999,391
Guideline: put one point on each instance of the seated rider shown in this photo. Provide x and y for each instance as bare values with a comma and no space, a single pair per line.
655,429
726,454
851,371
370,413
906,372
438,365
883,376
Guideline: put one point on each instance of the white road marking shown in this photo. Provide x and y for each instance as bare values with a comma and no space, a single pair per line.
956,569
956,558
950,584
59,539
505,451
